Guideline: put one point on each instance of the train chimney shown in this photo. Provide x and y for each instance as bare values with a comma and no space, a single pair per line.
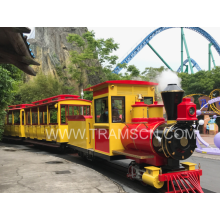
172,96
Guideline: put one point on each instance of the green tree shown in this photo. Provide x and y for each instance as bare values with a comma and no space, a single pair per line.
88,95
15,73
7,85
92,56
150,74
40,87
202,82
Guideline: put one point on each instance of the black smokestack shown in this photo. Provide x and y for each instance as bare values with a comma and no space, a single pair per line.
172,96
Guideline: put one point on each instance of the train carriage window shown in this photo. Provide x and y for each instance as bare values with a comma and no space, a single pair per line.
16,117
53,115
148,100
101,110
84,110
41,117
88,110
76,110
45,117
71,111
28,120
81,110
34,118
63,114
10,118
118,109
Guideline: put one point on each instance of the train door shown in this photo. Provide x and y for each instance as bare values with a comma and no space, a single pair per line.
102,125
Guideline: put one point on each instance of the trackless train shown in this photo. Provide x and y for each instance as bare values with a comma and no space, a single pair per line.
122,122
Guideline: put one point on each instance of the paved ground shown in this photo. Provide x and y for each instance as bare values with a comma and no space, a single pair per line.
210,179
28,170
210,165
31,169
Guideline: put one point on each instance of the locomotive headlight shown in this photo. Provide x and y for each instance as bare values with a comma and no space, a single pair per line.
192,111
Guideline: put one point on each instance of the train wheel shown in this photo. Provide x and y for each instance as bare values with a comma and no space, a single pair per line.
62,148
131,173
82,155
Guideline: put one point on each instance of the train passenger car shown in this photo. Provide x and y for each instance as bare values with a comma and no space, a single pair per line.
15,121
45,121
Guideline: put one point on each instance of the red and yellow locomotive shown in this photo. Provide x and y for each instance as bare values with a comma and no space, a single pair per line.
125,122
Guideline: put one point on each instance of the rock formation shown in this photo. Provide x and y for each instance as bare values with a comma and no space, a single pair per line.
51,50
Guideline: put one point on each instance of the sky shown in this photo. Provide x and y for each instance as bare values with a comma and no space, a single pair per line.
167,44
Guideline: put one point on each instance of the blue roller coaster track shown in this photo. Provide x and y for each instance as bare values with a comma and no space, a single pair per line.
193,62
146,40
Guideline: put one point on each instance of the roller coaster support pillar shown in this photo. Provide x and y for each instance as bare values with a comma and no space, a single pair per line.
211,56
159,56
181,50
186,70
184,40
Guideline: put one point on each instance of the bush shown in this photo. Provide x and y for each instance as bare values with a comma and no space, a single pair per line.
40,87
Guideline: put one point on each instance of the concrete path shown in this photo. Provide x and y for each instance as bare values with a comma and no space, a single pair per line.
27,170
210,178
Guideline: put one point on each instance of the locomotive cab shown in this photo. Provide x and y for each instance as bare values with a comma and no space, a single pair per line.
115,104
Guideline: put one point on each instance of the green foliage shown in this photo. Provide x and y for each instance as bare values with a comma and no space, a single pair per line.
13,72
202,82
66,83
53,115
92,56
134,72
7,85
88,95
63,115
40,87
150,74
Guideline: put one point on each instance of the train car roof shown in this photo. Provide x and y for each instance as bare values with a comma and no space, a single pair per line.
19,106
58,98
125,82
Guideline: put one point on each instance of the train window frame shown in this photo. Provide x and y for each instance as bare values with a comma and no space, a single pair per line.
106,106
27,114
85,108
9,113
89,109
123,99
19,119
148,97
42,110
34,115
52,108
66,113
72,110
